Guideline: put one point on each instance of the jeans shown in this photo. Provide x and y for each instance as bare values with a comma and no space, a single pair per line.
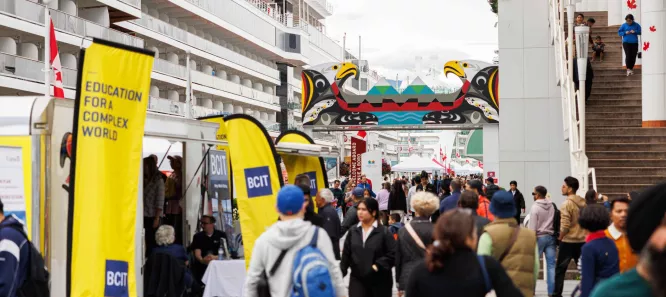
547,245
568,251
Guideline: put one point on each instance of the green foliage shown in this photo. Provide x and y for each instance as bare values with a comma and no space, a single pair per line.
344,169
493,5
386,167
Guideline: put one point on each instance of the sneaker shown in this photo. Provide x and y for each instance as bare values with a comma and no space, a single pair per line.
628,72
631,72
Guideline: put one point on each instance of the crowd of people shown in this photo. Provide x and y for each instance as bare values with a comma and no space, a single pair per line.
446,236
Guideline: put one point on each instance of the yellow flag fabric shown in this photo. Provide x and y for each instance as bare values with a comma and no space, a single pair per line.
257,176
311,166
220,135
109,120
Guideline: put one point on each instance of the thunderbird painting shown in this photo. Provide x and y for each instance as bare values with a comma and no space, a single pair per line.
326,103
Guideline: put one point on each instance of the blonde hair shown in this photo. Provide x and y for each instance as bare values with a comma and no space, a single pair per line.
425,203
165,235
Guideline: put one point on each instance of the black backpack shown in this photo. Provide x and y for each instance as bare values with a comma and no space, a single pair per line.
556,223
37,277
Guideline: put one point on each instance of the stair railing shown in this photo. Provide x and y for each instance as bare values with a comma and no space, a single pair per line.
564,55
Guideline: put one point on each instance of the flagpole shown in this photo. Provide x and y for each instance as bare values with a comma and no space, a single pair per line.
47,49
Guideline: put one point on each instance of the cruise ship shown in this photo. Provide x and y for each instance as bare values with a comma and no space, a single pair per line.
244,56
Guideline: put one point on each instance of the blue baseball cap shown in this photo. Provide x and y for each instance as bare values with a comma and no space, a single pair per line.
358,192
290,200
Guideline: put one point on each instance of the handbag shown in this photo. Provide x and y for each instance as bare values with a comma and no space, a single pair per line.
263,288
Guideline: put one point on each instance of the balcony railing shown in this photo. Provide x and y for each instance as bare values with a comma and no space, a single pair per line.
168,68
34,12
166,106
135,3
29,69
231,87
210,47
323,42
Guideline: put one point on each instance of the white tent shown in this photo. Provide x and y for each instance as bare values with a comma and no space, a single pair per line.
477,170
416,164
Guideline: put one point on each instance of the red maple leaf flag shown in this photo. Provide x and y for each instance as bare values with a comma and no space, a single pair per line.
653,29
480,164
361,134
55,64
646,46
631,4
457,155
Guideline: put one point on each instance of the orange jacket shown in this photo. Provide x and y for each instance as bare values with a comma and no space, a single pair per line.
484,208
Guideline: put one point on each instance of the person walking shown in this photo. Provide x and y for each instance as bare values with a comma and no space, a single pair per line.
470,200
324,200
397,202
617,232
599,258
383,198
339,194
451,202
484,204
646,232
414,238
369,250
542,216
515,247
351,218
518,199
452,268
275,250
491,188
572,236
173,193
629,31
366,184
14,252
153,201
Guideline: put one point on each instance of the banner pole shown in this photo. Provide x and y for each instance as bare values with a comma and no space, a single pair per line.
188,88
47,49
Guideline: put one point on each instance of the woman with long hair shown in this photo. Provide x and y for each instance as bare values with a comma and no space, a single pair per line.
452,266
397,202
153,200
369,251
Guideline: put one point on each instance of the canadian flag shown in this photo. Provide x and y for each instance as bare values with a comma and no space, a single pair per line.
409,144
443,153
55,64
457,154
466,161
361,134
480,164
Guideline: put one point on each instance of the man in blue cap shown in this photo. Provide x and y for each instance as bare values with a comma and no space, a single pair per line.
351,219
282,241
513,246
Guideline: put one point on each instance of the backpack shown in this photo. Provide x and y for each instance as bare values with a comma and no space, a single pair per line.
36,282
556,223
311,275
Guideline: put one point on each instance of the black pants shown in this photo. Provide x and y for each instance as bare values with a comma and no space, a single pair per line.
150,234
631,51
568,251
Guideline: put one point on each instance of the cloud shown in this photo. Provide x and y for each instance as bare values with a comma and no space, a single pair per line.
395,32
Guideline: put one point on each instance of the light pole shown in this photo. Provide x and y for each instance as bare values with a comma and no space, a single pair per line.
582,43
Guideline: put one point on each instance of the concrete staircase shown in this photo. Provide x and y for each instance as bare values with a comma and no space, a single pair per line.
626,156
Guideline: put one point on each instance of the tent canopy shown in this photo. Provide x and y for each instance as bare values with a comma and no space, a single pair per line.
416,164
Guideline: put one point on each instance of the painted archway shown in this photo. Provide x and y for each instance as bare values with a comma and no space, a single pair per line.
326,104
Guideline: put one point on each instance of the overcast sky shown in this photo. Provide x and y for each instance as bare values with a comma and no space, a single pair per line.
394,32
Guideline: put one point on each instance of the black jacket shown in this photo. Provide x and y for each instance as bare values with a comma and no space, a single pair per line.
461,276
397,201
332,227
350,220
379,250
520,203
164,276
407,253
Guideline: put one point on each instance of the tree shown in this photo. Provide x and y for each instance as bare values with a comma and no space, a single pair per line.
344,169
493,5
386,168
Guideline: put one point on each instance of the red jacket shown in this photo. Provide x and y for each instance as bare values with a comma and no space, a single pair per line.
484,208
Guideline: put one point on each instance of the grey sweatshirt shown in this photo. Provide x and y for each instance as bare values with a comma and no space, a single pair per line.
542,216
289,235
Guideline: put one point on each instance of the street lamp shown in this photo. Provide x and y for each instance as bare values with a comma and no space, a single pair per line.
582,43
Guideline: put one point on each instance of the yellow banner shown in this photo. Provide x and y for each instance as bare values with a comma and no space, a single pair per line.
311,166
109,119
257,176
16,174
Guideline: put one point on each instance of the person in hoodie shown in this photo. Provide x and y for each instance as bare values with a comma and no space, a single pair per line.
572,236
369,250
290,234
542,215
14,251
351,218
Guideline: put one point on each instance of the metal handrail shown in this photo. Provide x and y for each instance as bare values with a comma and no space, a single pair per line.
564,66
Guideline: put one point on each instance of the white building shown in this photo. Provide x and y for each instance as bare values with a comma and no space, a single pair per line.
245,56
